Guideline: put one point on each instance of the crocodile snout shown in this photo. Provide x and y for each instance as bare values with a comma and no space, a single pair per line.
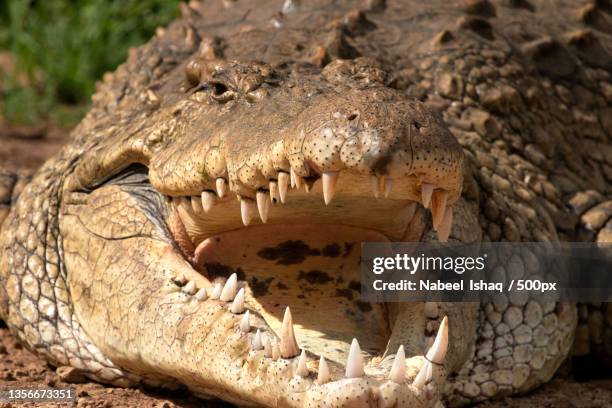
353,140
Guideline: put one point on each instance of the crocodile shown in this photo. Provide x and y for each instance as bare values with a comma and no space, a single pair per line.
202,227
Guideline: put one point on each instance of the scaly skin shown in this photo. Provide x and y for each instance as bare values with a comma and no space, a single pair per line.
96,253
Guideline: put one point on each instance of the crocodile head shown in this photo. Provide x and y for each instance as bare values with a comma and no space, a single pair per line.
248,188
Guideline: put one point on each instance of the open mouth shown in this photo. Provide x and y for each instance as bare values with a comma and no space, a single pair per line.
291,255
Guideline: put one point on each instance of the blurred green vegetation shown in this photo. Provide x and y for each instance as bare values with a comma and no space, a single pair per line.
62,47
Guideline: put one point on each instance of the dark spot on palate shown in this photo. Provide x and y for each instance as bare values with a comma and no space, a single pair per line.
260,287
288,253
331,250
346,293
315,277
282,286
354,285
215,269
363,306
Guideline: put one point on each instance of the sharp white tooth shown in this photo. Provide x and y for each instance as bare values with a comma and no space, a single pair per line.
283,185
288,344
257,345
398,370
263,205
201,294
302,367
323,375
296,180
437,352
444,229
185,203
216,292
229,289
247,208
354,364
424,376
274,192
438,207
426,191
275,352
180,279
267,345
375,186
388,186
190,288
208,200
245,323
196,205
330,178
237,306
221,187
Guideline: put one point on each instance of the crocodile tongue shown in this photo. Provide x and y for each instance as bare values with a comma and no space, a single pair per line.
315,270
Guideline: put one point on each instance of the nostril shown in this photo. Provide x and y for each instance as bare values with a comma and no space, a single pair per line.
352,117
416,124
219,89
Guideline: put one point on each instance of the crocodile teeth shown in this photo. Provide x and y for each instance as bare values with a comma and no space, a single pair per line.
180,279
196,205
302,367
247,209
274,191
257,345
267,345
296,181
229,289
216,292
245,323
263,205
375,186
237,306
398,370
288,344
208,200
424,376
190,288
354,364
276,353
437,352
330,178
184,202
323,375
201,294
426,191
283,185
221,187
388,187
445,225
438,207
308,186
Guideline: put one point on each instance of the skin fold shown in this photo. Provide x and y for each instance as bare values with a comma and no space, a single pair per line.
268,140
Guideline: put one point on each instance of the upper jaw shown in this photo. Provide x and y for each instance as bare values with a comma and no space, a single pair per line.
357,145
373,132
